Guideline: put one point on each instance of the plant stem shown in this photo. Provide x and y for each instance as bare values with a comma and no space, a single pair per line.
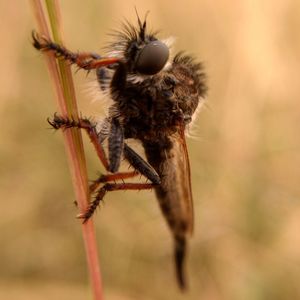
61,77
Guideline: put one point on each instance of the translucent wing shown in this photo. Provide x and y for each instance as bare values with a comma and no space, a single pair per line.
174,194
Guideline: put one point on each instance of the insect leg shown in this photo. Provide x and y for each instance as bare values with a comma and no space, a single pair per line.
115,145
108,187
103,78
83,60
111,177
135,160
141,165
96,138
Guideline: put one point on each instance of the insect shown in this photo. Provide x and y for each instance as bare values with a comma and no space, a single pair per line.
154,99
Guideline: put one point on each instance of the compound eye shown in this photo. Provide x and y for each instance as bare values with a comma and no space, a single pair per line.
152,58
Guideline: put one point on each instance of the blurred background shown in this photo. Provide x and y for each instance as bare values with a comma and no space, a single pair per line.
245,160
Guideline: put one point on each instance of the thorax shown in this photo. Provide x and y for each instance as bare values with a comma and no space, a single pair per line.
149,109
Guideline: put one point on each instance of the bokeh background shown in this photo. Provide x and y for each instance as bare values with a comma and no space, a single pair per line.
245,160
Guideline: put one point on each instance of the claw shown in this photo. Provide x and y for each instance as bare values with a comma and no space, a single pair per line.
40,42
83,217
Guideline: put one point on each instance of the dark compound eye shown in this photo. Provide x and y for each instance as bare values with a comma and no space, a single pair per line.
152,58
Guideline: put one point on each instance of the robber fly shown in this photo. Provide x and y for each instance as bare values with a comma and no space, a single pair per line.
154,99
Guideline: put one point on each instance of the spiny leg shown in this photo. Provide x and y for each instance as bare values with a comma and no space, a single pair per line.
83,60
115,138
109,187
111,177
116,145
139,164
96,138
134,159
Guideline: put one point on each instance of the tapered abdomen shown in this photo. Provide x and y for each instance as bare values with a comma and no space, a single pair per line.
174,195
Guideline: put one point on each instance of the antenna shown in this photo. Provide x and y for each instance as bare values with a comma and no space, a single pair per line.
142,25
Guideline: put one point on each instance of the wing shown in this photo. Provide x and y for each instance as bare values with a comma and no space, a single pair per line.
174,193
185,174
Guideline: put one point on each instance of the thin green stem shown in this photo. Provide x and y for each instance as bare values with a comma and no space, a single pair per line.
61,77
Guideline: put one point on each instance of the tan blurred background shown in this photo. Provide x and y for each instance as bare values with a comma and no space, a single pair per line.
245,161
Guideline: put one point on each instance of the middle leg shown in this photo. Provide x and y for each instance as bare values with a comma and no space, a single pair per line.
134,159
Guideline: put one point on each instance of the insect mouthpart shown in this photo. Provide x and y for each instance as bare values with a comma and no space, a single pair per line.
152,58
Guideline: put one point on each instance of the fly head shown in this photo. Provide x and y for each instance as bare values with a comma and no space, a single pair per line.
143,52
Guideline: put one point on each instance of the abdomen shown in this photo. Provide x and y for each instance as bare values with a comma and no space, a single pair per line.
170,160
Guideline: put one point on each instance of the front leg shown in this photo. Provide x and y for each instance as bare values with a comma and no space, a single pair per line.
84,60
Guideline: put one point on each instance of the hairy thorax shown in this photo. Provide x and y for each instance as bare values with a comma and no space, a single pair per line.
153,109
